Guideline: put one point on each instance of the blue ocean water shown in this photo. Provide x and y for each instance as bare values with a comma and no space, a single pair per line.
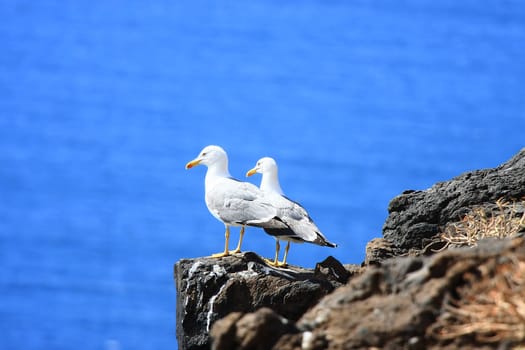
103,103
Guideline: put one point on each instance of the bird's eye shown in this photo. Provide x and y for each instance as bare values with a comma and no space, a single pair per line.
203,153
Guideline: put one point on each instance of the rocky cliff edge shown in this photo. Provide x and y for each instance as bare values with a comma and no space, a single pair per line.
420,287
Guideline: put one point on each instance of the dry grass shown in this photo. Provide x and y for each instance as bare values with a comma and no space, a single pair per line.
490,306
506,219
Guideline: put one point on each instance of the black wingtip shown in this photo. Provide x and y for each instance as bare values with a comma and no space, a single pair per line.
325,243
321,240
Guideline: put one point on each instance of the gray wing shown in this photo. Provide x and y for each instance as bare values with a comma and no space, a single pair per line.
297,219
235,202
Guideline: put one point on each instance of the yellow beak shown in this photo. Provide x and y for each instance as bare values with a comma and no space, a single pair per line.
251,172
193,163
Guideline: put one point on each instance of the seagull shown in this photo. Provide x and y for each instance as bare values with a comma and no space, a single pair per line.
299,227
231,201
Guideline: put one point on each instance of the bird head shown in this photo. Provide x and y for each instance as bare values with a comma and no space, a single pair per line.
208,156
264,165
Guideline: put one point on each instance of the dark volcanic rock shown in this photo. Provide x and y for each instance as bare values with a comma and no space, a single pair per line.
258,330
208,289
398,305
378,250
416,217
400,298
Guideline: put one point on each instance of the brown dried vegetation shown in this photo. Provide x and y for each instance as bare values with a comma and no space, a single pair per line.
489,306
505,219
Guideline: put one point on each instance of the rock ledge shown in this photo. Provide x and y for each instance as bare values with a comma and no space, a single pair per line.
208,289
406,295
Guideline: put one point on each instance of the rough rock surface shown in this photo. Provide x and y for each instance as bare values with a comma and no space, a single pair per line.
397,305
416,217
209,289
400,298
258,330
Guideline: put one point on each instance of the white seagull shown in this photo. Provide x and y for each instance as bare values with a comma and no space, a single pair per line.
231,201
299,227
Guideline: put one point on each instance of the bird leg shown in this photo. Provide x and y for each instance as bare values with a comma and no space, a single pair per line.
285,255
241,235
226,244
275,262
